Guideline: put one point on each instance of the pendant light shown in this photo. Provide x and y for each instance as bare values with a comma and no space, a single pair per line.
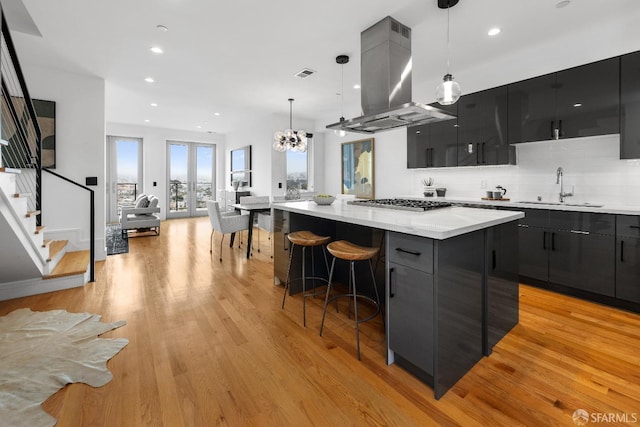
290,139
341,59
448,92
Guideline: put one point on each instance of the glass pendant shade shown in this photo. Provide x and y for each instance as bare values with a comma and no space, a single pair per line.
341,133
448,92
290,139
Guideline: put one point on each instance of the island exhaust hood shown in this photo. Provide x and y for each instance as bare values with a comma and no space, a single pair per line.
385,79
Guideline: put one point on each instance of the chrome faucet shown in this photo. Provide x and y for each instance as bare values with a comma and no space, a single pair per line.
560,180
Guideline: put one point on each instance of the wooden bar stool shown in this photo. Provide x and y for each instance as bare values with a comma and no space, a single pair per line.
305,239
348,251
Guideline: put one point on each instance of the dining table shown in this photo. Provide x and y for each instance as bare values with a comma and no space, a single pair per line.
252,208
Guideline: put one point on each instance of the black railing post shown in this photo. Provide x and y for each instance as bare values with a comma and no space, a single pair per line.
92,250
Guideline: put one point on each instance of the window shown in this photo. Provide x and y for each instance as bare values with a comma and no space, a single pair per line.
297,170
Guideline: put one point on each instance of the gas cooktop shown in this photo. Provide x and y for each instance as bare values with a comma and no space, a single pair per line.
403,204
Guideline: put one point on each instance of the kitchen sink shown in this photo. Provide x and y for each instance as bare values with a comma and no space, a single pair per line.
584,205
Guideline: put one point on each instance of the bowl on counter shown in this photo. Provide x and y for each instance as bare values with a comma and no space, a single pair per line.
323,199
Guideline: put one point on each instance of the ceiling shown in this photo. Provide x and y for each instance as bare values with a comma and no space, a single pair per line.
238,58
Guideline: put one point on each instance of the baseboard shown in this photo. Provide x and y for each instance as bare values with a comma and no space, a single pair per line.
37,286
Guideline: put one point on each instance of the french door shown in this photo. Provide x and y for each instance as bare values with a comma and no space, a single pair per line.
124,173
191,178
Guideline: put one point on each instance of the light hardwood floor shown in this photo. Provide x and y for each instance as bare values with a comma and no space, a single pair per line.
209,345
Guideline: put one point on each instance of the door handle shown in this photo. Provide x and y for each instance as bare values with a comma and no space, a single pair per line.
391,294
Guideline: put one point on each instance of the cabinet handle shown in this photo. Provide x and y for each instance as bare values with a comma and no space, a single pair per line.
553,241
621,250
477,153
483,159
391,294
544,240
560,129
408,251
580,232
523,225
634,226
493,259
553,129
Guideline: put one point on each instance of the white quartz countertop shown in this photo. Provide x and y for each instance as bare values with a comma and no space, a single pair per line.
441,223
516,204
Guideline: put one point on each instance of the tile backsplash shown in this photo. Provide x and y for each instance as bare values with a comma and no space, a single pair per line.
592,167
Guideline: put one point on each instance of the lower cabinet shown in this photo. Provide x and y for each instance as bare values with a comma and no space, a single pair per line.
411,315
571,249
628,258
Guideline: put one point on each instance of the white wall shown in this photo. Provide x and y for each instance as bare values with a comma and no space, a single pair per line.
154,146
80,129
391,176
269,166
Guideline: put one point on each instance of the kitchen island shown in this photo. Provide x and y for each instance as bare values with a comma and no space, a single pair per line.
449,277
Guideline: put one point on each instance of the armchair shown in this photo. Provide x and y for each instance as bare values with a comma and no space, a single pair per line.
224,223
141,216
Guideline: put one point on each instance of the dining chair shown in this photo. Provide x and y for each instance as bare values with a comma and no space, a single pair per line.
248,200
225,223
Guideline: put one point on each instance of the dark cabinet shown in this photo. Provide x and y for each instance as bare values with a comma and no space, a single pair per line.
433,145
578,102
482,129
502,290
630,106
571,249
628,258
411,315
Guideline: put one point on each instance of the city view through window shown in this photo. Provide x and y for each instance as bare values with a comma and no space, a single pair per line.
180,196
297,170
127,173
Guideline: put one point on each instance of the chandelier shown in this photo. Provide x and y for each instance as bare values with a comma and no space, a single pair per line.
290,139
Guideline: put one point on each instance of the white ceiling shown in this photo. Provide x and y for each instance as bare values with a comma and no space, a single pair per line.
239,57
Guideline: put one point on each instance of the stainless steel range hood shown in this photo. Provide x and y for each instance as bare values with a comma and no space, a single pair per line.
385,78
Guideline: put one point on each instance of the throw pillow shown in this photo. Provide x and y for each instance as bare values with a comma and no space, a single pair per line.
142,201
153,202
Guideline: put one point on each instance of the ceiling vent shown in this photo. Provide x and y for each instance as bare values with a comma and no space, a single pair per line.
304,73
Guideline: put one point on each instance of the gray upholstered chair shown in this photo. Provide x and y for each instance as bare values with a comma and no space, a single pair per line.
224,223
141,216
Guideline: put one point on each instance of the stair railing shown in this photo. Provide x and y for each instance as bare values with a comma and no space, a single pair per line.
19,126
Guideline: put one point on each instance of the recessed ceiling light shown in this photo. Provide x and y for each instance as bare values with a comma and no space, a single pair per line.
356,86
494,31
156,49
216,114
577,104
199,127
153,104
563,3
146,120
162,28
149,80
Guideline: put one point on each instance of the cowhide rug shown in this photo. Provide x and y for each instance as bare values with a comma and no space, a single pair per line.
41,352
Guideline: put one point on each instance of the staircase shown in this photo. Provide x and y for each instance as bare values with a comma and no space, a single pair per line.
29,263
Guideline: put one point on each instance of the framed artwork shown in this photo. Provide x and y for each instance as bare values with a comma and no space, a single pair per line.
358,169
46,112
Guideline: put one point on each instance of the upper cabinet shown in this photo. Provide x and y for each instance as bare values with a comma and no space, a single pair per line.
482,129
630,106
433,145
578,102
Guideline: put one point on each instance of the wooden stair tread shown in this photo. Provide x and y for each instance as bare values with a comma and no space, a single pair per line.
55,247
39,228
46,243
20,195
32,213
72,263
9,170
